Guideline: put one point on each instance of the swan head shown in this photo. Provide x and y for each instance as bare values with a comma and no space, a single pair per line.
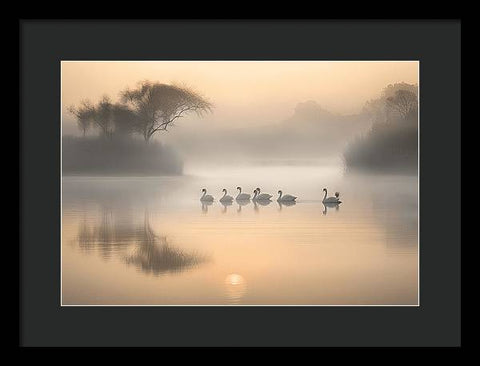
224,190
324,189
279,192
239,188
258,189
204,190
255,190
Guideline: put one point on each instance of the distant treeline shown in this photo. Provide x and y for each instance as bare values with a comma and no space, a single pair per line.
311,132
391,144
97,156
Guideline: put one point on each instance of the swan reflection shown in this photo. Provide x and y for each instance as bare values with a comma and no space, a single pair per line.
225,205
330,205
256,204
205,205
242,203
285,203
263,202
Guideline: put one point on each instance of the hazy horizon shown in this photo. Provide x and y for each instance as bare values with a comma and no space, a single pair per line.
244,93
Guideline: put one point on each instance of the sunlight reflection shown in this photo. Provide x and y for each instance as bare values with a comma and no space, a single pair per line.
236,287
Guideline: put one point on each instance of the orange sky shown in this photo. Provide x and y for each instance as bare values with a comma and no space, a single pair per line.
257,92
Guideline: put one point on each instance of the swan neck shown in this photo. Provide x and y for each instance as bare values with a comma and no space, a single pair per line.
281,193
204,193
224,193
325,196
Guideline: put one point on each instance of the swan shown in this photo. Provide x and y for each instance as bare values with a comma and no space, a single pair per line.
261,197
206,197
225,197
286,198
331,199
242,196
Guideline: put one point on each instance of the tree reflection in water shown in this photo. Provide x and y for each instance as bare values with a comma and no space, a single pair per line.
106,236
154,254
149,252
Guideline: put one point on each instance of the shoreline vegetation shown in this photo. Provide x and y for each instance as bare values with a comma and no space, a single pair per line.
116,157
391,144
382,138
143,112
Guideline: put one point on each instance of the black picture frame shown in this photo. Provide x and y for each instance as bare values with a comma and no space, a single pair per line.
43,44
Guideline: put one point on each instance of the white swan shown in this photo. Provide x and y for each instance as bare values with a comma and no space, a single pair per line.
206,197
286,198
331,199
261,197
225,197
242,196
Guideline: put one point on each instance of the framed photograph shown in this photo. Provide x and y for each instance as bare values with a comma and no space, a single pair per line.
264,188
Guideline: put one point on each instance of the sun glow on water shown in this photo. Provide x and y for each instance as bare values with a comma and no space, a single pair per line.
234,279
236,287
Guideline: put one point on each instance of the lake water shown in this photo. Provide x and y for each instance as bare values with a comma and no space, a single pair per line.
149,240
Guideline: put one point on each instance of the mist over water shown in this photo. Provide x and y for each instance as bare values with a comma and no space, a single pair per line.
149,240
141,141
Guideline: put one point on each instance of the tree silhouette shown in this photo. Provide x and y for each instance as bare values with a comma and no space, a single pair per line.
158,106
109,118
403,102
100,116
149,108
124,119
379,109
103,116
84,114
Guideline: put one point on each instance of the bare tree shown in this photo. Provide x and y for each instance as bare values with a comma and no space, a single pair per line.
103,116
158,106
84,114
379,109
391,89
124,119
100,116
404,102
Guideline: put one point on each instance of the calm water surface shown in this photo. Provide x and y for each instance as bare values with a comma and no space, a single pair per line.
149,240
